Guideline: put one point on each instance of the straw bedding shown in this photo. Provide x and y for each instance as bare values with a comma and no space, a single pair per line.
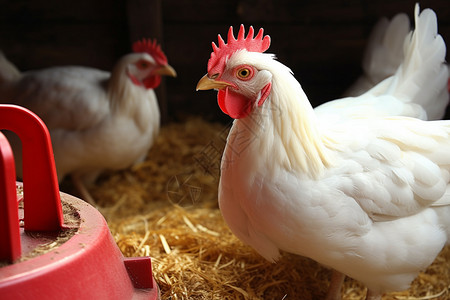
166,208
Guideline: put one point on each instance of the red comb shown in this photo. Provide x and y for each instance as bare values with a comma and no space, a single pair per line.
152,48
256,44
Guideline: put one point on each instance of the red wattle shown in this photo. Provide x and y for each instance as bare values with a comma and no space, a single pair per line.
234,104
152,82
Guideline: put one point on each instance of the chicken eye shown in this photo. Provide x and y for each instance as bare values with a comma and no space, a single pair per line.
142,64
244,73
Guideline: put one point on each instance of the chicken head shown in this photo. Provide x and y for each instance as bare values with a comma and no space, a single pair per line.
241,86
148,64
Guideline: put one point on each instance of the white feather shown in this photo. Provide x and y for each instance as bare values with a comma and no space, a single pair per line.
383,54
416,89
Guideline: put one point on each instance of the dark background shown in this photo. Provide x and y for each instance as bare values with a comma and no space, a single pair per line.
321,41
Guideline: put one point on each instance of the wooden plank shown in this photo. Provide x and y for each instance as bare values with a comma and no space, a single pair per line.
81,11
38,34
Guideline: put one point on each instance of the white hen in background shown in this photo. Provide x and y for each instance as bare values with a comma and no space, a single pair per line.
359,184
97,120
383,54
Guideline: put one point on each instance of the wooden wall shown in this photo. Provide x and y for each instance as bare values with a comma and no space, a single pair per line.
321,41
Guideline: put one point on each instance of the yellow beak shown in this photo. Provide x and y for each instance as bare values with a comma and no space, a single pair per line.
166,70
207,83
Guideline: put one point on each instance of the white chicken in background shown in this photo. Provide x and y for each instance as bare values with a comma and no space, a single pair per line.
360,185
97,120
383,54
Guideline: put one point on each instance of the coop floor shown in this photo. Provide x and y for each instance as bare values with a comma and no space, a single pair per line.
166,208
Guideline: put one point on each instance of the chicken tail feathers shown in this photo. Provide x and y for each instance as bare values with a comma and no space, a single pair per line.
422,77
383,54
8,71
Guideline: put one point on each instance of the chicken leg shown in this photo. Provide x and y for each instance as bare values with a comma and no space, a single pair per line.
373,295
334,291
81,188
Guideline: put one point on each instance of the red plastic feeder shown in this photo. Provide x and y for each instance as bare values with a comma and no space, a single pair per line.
88,265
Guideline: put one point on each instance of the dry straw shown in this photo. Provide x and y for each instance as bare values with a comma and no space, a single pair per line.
166,208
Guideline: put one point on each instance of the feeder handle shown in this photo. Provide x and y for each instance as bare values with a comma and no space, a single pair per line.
10,248
42,203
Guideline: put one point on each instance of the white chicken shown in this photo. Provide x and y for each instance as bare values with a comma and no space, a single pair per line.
97,120
360,185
